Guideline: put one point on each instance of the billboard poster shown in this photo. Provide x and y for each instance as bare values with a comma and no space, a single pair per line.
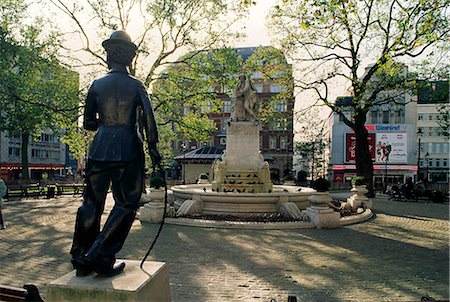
391,148
350,146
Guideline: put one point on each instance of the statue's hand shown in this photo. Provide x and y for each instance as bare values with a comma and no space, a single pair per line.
155,155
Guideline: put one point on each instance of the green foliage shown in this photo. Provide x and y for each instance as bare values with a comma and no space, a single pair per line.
333,41
156,181
36,92
320,184
358,181
312,141
444,120
203,176
195,86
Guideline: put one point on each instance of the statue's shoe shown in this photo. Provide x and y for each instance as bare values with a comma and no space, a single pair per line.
115,270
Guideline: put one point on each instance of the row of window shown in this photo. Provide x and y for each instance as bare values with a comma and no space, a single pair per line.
272,142
434,162
36,153
387,117
279,124
45,137
435,147
431,131
278,106
428,117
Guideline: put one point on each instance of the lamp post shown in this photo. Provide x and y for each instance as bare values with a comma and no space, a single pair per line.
419,136
427,155
183,146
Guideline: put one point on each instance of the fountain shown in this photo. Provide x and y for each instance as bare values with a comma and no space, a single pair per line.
241,184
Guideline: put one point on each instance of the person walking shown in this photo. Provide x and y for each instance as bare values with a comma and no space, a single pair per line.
118,109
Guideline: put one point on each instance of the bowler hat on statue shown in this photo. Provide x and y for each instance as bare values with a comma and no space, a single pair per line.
119,37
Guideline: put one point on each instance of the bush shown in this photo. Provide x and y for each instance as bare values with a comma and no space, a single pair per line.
156,181
203,176
358,181
321,184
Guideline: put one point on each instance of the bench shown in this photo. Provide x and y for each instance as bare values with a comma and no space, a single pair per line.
69,189
29,292
14,191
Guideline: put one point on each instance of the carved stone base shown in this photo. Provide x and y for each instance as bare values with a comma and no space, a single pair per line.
152,212
320,214
150,284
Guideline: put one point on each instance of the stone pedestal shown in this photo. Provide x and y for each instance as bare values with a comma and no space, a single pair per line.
320,214
152,212
359,197
242,152
150,284
242,168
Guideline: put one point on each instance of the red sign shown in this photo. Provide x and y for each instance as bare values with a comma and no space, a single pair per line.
350,146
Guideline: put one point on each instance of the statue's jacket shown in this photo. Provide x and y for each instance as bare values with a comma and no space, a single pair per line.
113,107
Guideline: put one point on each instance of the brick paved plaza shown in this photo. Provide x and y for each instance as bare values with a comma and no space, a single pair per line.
400,255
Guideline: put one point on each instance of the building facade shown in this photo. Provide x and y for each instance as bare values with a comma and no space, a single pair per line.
432,105
46,156
398,129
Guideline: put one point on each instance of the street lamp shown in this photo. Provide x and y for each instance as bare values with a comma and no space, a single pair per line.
427,155
419,136
183,146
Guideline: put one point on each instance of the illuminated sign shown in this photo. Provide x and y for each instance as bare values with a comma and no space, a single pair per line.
383,127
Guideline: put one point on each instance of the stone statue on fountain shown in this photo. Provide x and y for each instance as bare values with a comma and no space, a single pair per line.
242,168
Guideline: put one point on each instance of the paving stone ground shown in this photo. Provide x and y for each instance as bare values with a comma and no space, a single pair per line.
402,254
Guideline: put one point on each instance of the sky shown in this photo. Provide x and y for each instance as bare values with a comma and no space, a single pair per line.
257,34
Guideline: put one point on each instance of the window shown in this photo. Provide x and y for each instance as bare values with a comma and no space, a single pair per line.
430,117
275,88
283,143
272,142
14,151
385,117
374,117
430,163
444,162
45,154
226,107
49,138
399,117
420,117
258,88
445,148
438,162
224,124
281,106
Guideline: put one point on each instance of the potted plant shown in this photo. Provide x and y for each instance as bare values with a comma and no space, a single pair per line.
289,180
359,191
153,209
358,181
203,178
321,184
319,212
156,187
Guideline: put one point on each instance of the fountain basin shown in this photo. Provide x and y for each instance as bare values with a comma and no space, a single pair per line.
241,204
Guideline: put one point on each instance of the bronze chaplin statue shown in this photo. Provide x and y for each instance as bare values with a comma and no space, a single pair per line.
117,106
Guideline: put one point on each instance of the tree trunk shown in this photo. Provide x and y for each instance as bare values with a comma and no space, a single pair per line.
364,164
25,139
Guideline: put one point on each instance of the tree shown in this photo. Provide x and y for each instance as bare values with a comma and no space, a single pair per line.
36,92
332,42
162,29
312,142
202,82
